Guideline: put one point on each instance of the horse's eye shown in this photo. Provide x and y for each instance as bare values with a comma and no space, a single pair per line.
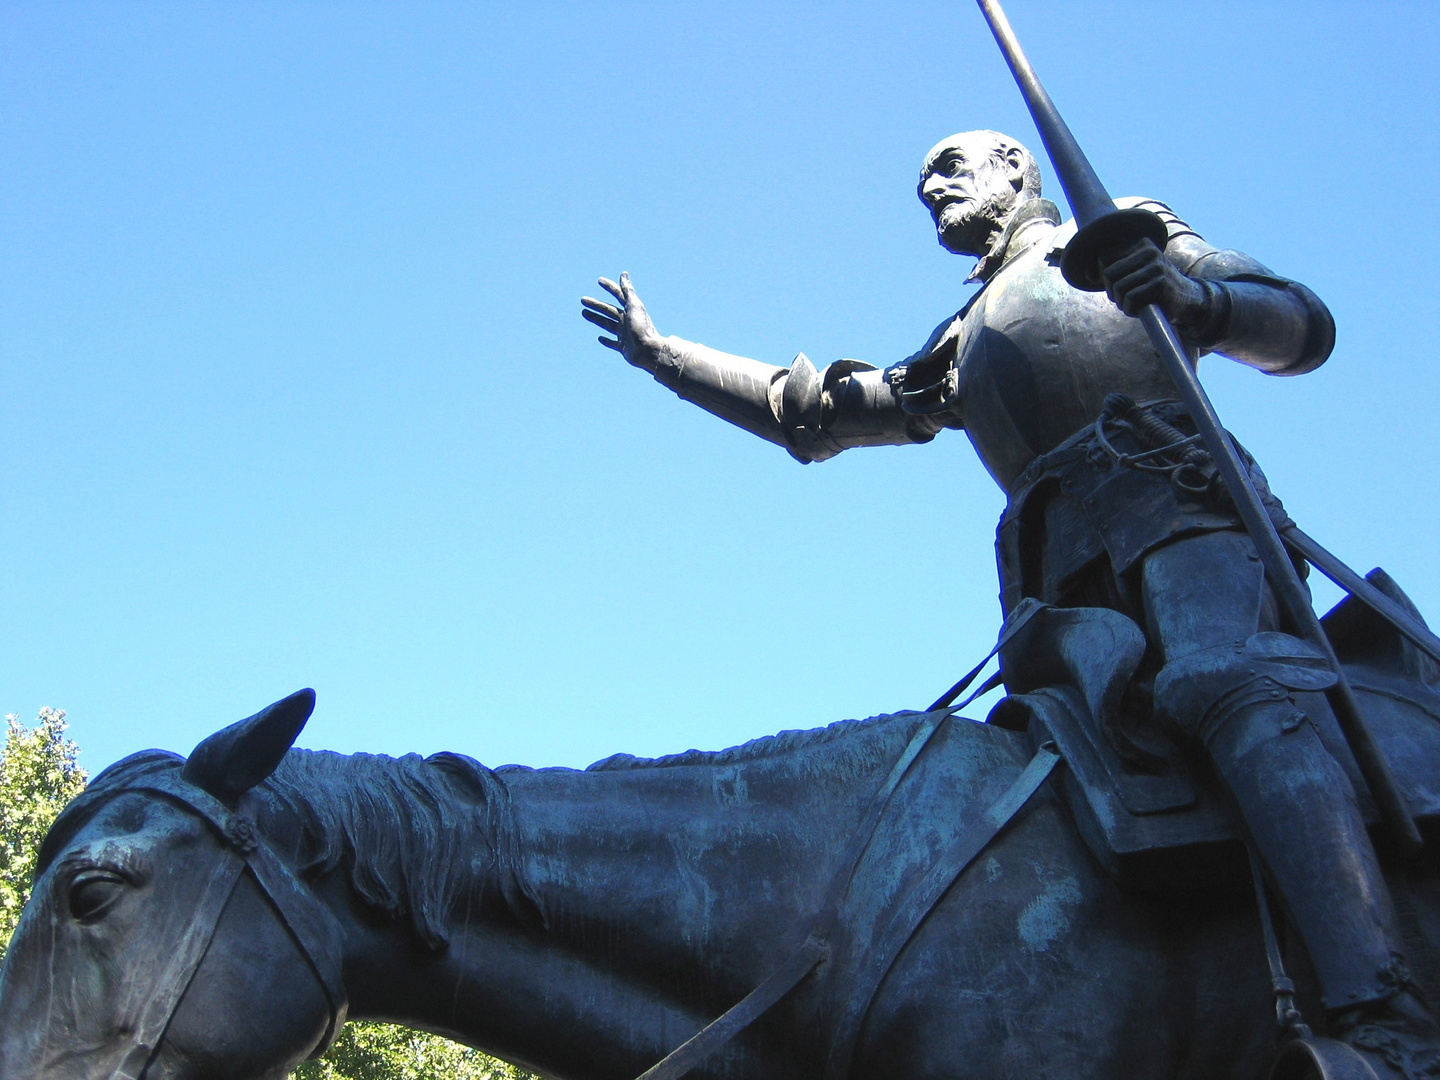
93,891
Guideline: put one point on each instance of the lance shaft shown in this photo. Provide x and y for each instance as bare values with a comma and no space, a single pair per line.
1104,229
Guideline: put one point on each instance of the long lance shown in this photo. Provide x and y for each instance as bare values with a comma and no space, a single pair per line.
1103,229
1388,609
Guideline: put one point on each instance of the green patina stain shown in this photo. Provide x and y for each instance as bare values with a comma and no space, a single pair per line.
1047,916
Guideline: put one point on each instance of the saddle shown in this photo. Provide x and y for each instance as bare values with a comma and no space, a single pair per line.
1157,819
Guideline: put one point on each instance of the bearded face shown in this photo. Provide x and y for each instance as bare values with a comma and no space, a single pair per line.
971,185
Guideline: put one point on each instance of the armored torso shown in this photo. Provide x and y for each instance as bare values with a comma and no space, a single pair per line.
1029,360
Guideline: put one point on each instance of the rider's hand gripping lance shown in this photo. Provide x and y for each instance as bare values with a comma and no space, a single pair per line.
1103,229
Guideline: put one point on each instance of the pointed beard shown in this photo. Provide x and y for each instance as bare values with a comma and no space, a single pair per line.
970,228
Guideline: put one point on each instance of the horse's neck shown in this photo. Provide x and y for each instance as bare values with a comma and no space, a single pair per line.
676,858
661,895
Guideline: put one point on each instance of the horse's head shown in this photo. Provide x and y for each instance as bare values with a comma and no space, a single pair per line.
164,938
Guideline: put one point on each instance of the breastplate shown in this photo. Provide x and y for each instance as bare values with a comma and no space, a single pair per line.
1035,358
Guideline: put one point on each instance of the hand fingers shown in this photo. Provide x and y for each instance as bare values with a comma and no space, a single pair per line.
629,289
1144,278
1128,274
613,289
605,322
603,309
1133,260
1132,300
1121,268
610,343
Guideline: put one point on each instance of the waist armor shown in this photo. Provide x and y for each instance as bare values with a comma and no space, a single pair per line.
1105,497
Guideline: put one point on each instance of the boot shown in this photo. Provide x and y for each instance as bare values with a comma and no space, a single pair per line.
1300,811
1295,802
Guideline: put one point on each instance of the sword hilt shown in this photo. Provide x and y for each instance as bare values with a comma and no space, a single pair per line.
1106,236
1153,430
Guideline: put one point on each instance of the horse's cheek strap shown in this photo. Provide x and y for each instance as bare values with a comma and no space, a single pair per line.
309,921
175,976
313,927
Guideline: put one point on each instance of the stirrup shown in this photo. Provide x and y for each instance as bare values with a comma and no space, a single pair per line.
1311,1058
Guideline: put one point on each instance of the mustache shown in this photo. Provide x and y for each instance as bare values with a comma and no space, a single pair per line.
966,211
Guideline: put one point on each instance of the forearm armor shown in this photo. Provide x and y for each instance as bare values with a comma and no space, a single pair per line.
1250,314
813,414
1278,326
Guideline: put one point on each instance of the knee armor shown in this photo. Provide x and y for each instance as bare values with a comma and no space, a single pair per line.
1201,691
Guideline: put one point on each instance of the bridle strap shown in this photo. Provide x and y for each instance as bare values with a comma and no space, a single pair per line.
180,967
313,926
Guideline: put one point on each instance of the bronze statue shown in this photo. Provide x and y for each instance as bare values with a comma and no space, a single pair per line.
1081,887
219,916
1109,506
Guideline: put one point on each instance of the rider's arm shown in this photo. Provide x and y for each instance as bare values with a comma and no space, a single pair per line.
1241,308
813,414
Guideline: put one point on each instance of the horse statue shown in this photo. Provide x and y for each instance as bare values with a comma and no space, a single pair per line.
220,916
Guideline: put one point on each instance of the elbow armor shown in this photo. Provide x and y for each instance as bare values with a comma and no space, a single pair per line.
811,413
850,403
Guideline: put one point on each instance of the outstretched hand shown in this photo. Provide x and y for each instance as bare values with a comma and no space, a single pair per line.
633,334
1142,275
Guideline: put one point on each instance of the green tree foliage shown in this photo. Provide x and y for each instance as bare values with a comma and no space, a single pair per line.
366,1051
39,775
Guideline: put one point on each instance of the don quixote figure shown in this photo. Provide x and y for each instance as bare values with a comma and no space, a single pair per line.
1190,842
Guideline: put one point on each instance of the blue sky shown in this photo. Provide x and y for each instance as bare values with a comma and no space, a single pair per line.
295,391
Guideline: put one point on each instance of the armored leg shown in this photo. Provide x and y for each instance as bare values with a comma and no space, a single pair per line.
1301,814
1227,681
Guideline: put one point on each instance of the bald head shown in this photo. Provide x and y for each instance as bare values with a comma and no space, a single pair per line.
972,183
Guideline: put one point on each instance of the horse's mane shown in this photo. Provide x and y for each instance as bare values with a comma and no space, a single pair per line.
766,746
401,829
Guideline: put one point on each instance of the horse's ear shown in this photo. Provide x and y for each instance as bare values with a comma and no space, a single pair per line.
235,759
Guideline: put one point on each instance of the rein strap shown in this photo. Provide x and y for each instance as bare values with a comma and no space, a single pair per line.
903,924
801,962
922,897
